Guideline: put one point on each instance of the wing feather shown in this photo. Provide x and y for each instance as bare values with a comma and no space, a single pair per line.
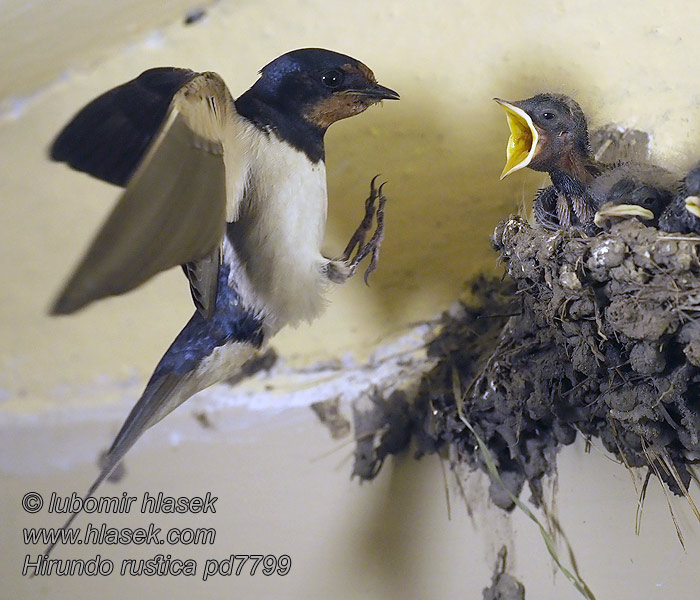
109,137
175,205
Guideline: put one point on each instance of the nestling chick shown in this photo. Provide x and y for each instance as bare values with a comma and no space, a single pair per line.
632,190
683,214
549,133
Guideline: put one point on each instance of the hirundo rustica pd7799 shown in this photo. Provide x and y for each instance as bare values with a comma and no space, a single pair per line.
235,192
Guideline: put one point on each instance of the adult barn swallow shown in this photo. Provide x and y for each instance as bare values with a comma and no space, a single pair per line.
548,132
683,214
235,192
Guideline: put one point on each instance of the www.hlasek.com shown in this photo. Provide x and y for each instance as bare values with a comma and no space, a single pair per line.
102,534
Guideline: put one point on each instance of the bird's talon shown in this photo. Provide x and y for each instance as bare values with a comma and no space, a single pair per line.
358,238
374,206
377,238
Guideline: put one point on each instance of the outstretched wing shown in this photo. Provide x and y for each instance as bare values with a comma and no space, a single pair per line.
174,138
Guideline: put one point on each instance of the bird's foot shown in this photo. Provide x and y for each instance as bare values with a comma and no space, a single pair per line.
342,269
583,208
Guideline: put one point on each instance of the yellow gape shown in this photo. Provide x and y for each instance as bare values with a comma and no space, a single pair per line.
522,143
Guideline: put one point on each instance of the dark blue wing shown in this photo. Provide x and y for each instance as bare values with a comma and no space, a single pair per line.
110,135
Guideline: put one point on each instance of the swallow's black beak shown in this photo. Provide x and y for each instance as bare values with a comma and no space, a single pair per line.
384,93
374,93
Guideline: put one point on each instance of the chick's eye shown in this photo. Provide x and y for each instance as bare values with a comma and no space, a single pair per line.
548,116
333,78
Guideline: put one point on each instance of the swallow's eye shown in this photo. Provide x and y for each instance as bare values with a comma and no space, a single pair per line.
333,78
548,116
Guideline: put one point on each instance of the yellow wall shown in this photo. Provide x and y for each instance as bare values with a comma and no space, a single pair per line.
441,148
43,41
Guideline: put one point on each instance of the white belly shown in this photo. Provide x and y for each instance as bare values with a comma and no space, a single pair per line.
279,233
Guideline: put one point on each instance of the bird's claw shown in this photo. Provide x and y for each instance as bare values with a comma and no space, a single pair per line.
374,206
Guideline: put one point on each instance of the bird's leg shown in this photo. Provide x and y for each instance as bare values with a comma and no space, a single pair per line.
358,238
563,211
583,209
544,208
575,206
342,269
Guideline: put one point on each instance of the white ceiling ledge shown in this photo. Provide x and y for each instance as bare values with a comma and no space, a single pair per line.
41,39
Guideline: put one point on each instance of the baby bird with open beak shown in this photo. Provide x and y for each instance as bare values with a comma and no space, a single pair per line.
549,133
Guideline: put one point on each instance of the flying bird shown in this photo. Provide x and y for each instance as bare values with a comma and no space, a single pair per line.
683,214
549,133
234,191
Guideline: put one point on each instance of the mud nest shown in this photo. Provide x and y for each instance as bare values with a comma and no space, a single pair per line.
604,341
598,336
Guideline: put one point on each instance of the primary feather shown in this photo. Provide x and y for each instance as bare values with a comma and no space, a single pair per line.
179,189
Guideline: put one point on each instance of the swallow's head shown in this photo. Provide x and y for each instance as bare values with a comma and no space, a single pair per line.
320,86
547,132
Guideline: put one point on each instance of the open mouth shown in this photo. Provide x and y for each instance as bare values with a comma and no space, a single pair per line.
522,143
623,211
692,205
